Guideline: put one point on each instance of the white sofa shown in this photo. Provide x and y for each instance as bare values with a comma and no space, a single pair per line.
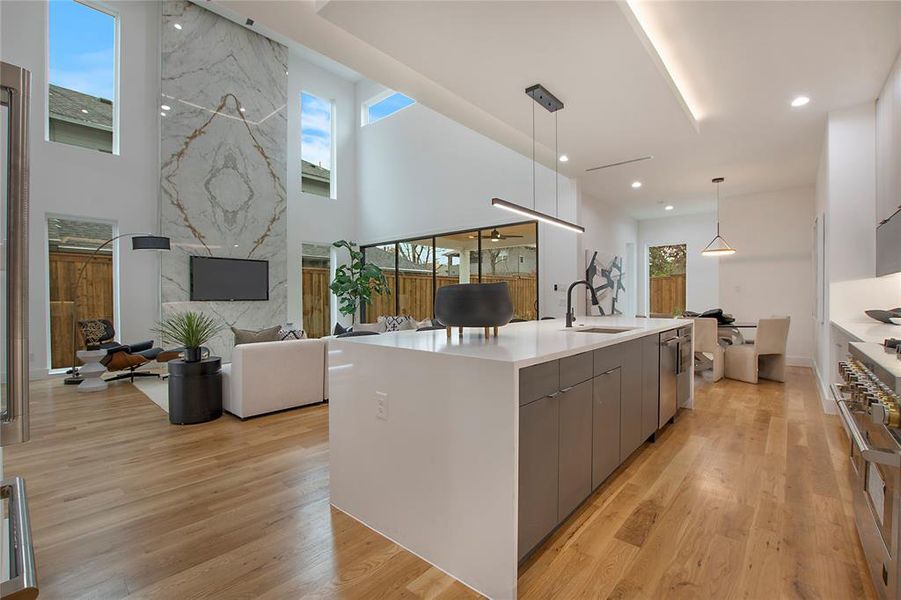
270,376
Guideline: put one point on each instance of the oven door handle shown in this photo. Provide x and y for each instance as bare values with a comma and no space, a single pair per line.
869,453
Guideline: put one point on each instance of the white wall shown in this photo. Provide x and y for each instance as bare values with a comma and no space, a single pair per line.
313,218
772,271
420,173
701,272
610,229
78,182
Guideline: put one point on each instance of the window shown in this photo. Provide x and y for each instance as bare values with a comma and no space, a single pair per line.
416,268
81,95
317,150
666,275
315,273
384,105
72,243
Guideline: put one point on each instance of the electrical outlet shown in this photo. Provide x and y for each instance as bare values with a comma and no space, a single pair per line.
381,406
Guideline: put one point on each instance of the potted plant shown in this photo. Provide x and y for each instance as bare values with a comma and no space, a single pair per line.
356,282
190,330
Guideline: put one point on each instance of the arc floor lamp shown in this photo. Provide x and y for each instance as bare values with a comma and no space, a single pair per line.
139,241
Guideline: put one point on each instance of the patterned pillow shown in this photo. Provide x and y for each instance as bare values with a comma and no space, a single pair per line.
395,322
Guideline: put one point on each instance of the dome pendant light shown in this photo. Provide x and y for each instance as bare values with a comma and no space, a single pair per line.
718,246
542,96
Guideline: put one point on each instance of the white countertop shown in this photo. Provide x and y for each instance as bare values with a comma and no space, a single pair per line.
866,329
522,344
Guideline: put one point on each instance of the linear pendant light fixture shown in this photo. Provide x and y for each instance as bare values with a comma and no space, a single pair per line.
542,96
718,246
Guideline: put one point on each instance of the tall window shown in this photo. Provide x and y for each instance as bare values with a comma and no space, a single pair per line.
317,145
81,95
316,299
666,271
71,244
383,105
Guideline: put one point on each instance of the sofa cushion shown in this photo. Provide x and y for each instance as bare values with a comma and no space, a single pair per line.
376,327
248,336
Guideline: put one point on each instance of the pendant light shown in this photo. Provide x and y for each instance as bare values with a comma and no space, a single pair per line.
542,96
718,246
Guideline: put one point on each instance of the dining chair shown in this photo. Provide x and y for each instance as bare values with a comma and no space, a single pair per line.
708,347
765,357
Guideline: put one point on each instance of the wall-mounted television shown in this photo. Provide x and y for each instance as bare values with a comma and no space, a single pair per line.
229,279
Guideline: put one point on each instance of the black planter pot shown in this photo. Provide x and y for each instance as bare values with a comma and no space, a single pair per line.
474,305
192,355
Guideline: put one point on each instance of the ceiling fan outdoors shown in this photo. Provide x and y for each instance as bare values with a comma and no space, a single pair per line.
496,236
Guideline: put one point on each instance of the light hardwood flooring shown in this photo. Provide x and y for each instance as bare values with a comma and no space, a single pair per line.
744,497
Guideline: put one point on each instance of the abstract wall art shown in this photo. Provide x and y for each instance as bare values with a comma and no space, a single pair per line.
604,271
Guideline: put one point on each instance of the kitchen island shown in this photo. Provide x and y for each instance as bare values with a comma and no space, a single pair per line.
468,451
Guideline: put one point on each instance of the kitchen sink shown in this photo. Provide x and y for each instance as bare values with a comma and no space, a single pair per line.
601,329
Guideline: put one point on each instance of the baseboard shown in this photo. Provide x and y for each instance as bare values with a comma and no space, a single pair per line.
799,361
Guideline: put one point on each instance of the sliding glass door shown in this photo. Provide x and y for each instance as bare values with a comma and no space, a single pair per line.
416,268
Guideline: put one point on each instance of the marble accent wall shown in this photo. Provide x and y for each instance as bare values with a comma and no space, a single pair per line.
223,160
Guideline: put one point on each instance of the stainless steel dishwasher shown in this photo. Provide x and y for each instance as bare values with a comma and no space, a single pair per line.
675,372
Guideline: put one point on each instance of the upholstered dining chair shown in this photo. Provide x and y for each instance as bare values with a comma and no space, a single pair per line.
765,357
710,353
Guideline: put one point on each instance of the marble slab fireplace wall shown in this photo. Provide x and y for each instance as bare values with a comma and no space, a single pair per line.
223,160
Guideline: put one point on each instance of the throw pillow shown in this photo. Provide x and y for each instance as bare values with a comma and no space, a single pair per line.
374,327
424,323
396,322
248,336
339,329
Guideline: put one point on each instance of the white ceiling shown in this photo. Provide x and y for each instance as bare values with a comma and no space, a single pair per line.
740,64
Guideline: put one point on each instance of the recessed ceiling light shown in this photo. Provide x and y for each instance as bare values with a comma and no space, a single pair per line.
162,114
564,158
84,110
165,107
636,184
800,101
242,109
669,207
177,26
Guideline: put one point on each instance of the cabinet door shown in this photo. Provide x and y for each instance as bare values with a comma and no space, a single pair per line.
650,374
538,381
631,399
538,464
575,448
605,426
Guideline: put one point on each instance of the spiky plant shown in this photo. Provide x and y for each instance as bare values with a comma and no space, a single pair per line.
188,329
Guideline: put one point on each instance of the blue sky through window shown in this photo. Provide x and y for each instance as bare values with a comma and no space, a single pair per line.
316,130
388,106
82,49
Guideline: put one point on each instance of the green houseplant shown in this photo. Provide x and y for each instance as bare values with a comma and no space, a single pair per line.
356,282
190,330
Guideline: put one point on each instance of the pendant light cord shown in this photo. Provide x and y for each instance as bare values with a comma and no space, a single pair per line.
534,206
717,209
556,162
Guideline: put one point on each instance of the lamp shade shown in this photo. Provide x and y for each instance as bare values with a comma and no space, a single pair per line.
149,242
718,247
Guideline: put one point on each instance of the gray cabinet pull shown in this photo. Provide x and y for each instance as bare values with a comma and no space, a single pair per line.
553,394
566,389
23,581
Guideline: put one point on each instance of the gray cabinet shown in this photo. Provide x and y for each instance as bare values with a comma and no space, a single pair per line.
605,421
575,446
630,399
538,381
538,469
650,374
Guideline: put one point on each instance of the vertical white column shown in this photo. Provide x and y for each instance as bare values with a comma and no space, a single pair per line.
464,266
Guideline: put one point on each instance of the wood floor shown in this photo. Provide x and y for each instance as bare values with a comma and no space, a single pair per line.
744,497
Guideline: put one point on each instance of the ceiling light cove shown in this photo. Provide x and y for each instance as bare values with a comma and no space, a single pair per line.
564,158
654,39
800,101
636,185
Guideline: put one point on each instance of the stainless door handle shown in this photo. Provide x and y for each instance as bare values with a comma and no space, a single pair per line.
868,452
566,389
23,580
553,394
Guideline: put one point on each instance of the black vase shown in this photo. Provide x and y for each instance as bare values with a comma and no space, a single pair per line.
474,305
192,355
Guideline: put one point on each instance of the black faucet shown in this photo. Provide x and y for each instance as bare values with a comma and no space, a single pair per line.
570,314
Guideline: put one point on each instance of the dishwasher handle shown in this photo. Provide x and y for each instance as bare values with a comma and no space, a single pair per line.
869,453
23,579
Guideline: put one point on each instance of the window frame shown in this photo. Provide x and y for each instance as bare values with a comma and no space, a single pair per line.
380,97
104,8
333,144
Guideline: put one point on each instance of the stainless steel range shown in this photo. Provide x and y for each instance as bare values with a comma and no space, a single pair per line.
869,402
